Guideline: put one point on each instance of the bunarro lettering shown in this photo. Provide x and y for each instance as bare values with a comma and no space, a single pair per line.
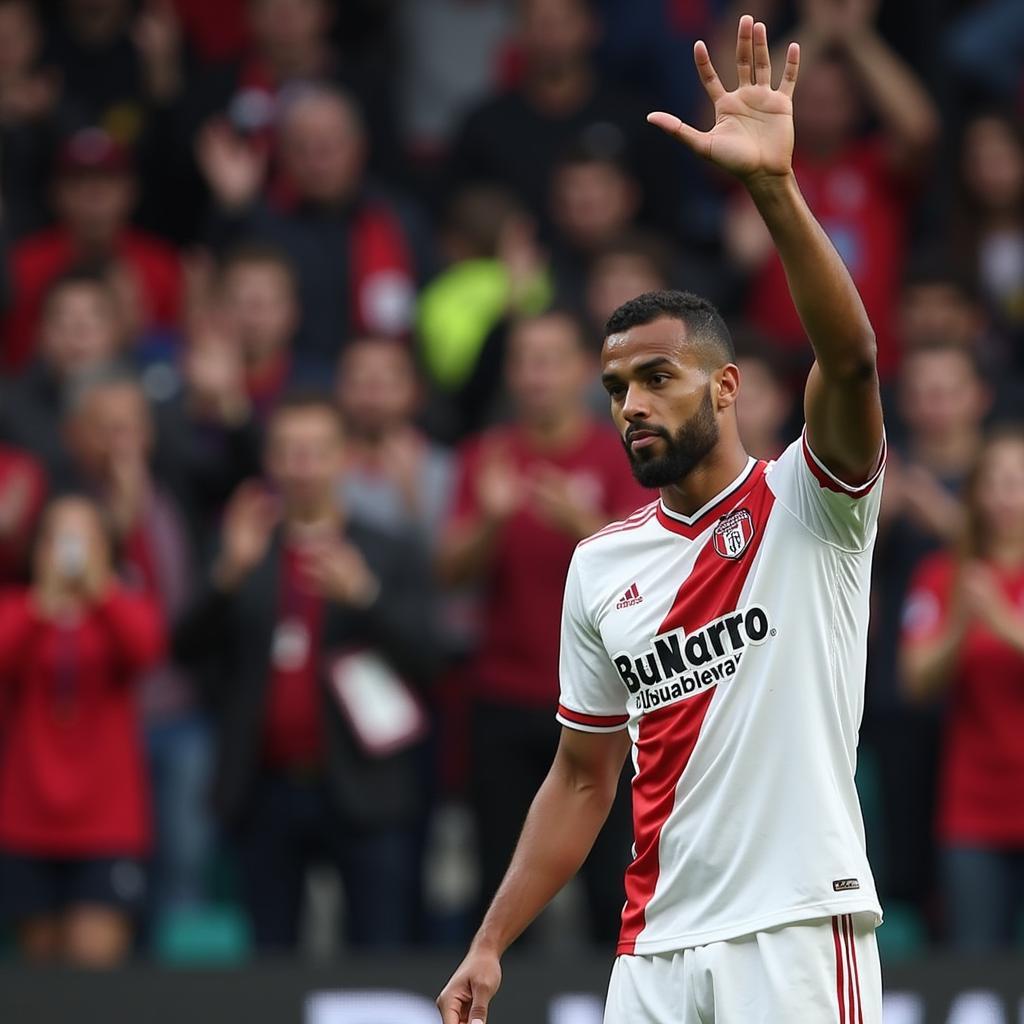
677,665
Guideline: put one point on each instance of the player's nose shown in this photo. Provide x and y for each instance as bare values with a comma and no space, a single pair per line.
634,405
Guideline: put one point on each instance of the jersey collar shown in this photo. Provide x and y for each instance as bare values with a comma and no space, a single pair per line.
692,525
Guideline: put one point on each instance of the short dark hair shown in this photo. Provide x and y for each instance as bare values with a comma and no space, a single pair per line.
705,328
261,253
306,401
86,275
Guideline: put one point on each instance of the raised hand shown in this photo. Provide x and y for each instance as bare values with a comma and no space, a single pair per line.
234,169
249,521
338,572
753,132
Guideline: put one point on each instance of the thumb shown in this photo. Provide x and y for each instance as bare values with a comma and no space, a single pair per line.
481,997
678,129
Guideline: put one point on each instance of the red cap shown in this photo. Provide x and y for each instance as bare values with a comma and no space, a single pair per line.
93,151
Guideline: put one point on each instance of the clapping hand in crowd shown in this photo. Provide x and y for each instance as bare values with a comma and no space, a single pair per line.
984,601
339,572
914,492
500,490
558,499
214,372
402,461
128,485
249,520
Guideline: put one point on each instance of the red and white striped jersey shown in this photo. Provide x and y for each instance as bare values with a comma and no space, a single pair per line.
732,645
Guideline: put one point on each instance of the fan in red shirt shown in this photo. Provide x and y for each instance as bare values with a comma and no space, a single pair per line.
94,192
859,188
74,802
528,492
964,630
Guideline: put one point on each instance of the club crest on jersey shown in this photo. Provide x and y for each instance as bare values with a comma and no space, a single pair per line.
733,533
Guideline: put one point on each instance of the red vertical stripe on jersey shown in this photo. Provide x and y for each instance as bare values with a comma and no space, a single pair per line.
839,971
667,736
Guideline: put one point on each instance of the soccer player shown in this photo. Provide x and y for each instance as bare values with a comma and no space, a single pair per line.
720,634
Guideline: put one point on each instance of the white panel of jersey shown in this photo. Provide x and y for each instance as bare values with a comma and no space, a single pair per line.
732,645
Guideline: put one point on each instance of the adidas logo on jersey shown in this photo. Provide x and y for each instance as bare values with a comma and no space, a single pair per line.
630,598
676,666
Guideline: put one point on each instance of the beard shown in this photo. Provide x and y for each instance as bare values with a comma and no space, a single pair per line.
685,449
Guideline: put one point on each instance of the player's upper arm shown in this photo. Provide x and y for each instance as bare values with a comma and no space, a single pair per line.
592,760
843,410
839,513
592,696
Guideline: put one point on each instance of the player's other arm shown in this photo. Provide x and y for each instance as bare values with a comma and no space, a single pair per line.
753,140
565,817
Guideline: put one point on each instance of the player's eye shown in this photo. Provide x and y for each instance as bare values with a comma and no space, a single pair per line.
615,390
658,378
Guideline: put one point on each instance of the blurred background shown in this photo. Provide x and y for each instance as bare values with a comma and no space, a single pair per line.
299,426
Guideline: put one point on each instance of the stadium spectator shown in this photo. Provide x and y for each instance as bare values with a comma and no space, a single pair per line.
23,488
453,55
635,263
110,437
74,802
395,477
258,292
296,582
939,303
964,633
28,92
207,436
496,271
989,225
984,44
594,201
94,192
357,252
289,44
942,401
113,67
516,138
527,493
859,187
766,401
80,331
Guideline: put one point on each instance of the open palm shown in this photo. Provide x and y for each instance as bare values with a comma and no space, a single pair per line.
753,132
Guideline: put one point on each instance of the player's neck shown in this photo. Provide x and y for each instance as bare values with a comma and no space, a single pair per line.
715,472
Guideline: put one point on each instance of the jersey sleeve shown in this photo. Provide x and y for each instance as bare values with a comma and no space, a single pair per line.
834,511
592,697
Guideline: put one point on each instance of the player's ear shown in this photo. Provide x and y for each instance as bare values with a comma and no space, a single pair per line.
725,385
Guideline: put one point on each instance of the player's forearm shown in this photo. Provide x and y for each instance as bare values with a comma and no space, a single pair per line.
894,91
823,291
564,820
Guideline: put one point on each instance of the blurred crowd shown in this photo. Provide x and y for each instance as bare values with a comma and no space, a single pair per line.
299,427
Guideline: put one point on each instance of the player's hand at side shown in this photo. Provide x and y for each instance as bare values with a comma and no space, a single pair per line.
468,994
753,132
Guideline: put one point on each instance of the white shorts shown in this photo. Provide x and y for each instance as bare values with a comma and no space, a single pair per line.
814,972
